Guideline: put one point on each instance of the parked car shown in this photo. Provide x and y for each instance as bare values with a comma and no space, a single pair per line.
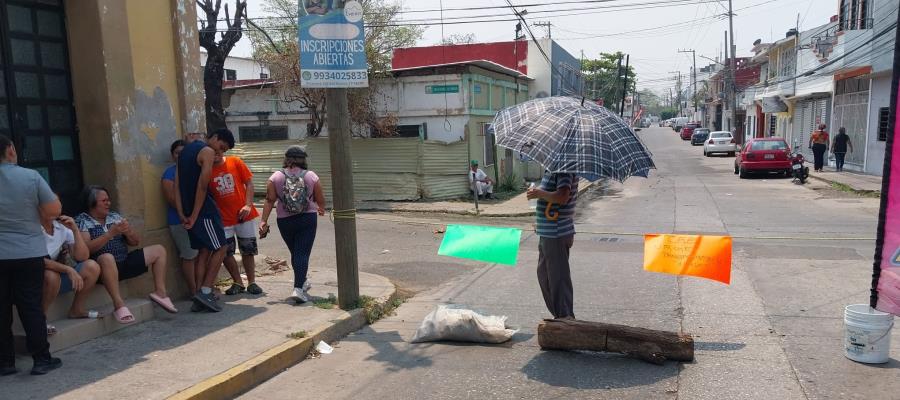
719,142
688,130
763,155
699,136
679,123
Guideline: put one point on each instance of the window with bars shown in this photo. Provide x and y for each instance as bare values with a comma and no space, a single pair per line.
855,14
262,133
884,123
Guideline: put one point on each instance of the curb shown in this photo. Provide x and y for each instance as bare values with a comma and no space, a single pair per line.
251,373
471,213
852,189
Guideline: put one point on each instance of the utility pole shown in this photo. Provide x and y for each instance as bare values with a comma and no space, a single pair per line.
615,91
727,79
344,208
546,24
624,87
694,73
733,71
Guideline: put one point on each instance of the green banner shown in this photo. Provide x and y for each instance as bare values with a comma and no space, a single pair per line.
482,243
436,89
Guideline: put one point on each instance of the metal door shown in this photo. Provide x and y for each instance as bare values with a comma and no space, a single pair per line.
35,93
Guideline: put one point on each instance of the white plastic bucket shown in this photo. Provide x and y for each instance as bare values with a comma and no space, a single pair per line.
867,335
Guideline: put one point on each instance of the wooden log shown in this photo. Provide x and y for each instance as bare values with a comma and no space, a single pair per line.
645,344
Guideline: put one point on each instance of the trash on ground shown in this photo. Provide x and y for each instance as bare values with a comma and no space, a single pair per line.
324,348
462,325
385,251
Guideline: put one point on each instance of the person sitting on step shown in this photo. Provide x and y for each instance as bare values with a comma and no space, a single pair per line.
108,236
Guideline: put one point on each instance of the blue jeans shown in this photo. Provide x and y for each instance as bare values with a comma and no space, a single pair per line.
839,159
299,233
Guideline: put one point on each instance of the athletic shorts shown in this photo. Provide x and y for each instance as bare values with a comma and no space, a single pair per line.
133,266
65,284
182,242
207,233
246,238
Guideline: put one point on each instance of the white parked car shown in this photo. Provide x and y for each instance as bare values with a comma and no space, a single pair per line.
719,142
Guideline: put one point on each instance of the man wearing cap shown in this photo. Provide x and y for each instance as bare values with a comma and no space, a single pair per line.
479,182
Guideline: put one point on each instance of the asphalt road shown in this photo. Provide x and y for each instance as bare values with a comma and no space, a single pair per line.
775,333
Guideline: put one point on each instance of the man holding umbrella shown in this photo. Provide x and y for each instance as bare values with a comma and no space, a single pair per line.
555,226
571,139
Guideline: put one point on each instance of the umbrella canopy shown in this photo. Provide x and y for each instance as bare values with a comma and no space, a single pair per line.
568,135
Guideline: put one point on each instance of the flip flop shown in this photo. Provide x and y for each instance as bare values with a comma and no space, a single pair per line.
164,302
51,330
123,315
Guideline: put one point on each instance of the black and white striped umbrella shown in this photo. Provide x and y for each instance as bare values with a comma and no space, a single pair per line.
569,135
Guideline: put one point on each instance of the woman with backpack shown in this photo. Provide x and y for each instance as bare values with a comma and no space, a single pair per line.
297,196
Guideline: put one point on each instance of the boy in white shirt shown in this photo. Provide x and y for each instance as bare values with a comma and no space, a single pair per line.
65,248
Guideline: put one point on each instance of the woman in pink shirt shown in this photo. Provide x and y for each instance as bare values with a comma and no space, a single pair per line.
296,195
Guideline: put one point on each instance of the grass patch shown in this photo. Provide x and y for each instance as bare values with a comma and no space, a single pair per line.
326,304
375,310
848,189
297,335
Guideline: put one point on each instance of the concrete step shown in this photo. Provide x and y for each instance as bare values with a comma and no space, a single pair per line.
71,332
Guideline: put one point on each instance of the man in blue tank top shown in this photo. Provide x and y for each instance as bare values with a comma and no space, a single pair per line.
198,212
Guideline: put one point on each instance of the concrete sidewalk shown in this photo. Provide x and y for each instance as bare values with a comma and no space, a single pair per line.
201,355
856,181
515,207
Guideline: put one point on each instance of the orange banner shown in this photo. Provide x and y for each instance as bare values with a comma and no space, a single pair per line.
702,256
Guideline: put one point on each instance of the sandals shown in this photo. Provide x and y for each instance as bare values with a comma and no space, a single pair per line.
51,330
254,289
235,289
164,302
123,315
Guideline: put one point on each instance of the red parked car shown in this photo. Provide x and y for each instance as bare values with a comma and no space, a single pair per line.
688,130
763,155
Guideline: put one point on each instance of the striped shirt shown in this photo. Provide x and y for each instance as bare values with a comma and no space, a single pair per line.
557,220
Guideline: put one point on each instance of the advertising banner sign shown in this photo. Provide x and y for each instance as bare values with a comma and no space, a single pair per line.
332,45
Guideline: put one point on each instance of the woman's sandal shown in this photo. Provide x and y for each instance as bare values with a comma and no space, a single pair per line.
123,315
164,302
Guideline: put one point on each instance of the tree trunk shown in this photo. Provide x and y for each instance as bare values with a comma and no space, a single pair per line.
645,344
213,73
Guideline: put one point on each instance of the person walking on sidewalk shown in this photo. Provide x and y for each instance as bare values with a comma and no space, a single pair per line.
198,212
555,227
818,142
297,196
22,252
231,186
839,148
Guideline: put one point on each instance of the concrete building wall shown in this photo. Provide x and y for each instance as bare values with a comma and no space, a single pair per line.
539,69
132,99
245,68
880,97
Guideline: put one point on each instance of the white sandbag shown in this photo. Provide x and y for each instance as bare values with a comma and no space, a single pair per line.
461,325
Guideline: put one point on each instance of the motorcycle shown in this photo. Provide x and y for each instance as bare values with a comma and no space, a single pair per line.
799,171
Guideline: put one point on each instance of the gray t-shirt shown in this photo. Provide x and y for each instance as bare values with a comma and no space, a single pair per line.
24,190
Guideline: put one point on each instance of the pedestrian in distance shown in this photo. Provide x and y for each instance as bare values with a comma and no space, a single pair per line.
198,213
818,142
555,214
231,186
296,194
22,252
108,236
480,183
839,148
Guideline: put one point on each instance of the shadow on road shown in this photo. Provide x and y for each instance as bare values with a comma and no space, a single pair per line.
591,370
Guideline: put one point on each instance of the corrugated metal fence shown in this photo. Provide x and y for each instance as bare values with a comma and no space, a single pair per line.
383,169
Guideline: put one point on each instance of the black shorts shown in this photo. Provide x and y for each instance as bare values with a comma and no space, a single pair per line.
207,233
133,266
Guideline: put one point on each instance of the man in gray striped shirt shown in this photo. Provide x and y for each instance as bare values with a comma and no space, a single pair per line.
555,215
